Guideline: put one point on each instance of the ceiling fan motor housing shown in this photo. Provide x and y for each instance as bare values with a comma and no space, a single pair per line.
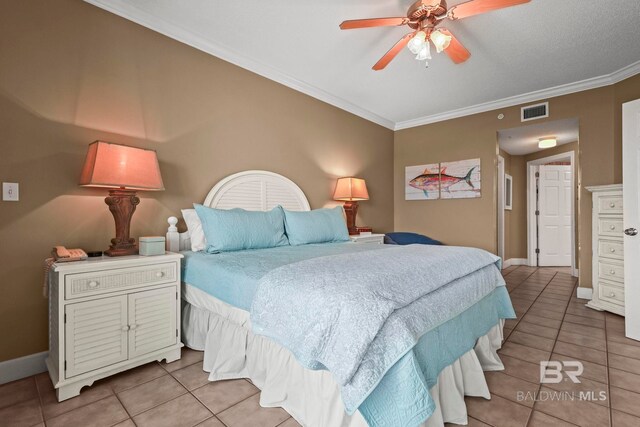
423,13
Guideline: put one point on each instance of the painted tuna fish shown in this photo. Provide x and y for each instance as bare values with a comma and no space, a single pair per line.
431,181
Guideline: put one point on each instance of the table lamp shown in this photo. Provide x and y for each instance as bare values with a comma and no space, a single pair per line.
351,190
124,170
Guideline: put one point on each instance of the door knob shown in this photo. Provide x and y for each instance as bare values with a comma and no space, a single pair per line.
631,231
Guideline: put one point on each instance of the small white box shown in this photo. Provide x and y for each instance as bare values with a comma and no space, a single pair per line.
152,245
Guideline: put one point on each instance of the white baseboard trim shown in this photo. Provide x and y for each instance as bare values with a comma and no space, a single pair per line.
584,293
22,367
514,261
576,272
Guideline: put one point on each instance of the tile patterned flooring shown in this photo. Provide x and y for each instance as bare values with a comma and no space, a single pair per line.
552,325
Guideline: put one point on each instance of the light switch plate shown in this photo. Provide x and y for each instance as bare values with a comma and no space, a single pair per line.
10,191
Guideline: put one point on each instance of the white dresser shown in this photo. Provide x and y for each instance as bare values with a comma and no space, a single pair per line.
107,315
608,249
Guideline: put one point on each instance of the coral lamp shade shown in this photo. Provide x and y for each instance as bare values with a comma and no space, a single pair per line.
351,189
120,166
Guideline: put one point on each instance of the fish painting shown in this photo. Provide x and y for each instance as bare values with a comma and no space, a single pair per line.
428,181
451,180
462,181
432,181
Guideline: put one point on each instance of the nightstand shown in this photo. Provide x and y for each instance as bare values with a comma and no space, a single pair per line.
110,314
368,238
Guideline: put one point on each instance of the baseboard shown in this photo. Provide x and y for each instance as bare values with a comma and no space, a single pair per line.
22,367
576,272
584,293
514,261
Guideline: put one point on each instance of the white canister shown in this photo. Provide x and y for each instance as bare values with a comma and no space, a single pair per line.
152,245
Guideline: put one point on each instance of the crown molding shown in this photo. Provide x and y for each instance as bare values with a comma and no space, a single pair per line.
127,10
592,83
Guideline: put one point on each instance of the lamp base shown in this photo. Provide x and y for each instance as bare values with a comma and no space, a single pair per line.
351,210
122,204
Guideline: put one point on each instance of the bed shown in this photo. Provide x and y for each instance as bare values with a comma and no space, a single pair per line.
257,314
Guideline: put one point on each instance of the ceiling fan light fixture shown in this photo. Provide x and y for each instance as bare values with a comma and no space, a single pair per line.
425,52
547,142
440,40
417,42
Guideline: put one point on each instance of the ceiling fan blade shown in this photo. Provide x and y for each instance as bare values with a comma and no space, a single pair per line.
388,57
375,22
476,7
456,51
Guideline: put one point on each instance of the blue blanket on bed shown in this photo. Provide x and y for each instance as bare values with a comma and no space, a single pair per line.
359,314
401,397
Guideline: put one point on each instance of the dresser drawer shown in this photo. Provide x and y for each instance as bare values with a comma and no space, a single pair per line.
611,227
609,205
610,271
611,293
99,282
610,249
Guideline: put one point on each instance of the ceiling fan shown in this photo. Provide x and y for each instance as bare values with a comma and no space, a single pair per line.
423,17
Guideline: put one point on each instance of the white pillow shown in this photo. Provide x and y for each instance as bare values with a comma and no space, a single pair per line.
198,241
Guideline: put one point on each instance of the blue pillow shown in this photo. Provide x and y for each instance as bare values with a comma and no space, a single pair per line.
316,226
403,238
238,229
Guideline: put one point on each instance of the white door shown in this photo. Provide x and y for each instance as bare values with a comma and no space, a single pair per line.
631,186
152,320
554,220
95,334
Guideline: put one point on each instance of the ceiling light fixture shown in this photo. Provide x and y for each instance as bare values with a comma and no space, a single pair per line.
418,41
440,40
547,142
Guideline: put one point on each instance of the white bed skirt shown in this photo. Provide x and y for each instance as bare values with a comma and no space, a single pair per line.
232,351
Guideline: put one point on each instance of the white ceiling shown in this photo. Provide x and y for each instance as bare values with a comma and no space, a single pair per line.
533,51
524,139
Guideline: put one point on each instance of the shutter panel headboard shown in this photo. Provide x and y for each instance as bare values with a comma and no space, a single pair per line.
253,190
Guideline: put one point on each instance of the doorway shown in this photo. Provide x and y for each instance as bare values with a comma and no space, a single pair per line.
550,211
537,170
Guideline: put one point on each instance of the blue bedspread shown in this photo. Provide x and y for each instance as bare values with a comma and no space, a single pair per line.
233,276
358,314
416,339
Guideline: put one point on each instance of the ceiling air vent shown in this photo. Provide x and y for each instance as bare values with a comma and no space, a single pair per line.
533,112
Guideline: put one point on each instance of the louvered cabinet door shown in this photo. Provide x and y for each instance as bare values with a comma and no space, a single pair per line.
95,334
152,320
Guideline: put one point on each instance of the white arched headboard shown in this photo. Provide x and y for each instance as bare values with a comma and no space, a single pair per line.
253,190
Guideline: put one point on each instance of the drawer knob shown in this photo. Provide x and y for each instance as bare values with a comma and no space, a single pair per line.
132,327
125,328
612,227
612,294
93,284
612,205
159,274
612,272
612,250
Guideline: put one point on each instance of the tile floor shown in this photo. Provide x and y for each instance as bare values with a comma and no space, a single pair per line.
156,394
552,325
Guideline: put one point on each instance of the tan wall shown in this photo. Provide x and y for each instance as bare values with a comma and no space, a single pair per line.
473,222
518,223
71,73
